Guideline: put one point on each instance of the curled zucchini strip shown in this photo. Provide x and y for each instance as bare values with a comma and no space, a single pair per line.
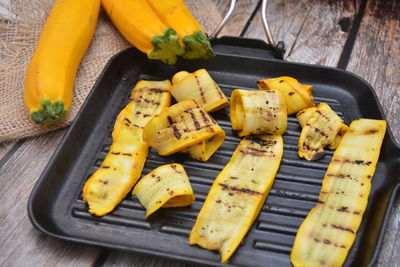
258,112
305,114
200,87
328,232
319,131
183,125
164,187
237,195
297,96
123,164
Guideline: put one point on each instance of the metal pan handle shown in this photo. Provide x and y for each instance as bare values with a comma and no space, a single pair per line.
279,48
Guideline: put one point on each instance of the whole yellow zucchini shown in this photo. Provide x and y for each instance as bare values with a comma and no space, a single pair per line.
51,73
141,26
176,15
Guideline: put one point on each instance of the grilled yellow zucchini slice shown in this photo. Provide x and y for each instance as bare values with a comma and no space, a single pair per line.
328,232
123,164
319,131
303,116
237,195
183,125
164,187
200,87
258,112
297,96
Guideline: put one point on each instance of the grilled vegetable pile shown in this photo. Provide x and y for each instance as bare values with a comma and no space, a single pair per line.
239,191
320,130
200,87
181,126
327,234
297,96
258,112
237,195
51,74
166,186
122,166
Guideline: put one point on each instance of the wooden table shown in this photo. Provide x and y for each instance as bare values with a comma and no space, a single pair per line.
360,36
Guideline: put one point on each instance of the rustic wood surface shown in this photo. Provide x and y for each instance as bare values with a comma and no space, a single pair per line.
376,58
313,32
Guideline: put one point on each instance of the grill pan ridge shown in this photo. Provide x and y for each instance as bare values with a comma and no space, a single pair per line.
56,206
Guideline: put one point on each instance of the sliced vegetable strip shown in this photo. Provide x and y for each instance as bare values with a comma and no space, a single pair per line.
258,112
304,115
166,186
200,87
237,195
297,96
328,232
183,125
123,164
318,132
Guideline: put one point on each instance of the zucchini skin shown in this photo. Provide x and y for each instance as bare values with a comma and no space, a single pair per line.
141,26
123,164
329,230
51,73
176,15
237,195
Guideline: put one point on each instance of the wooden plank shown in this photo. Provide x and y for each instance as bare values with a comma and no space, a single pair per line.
125,259
5,147
20,243
209,13
376,58
313,31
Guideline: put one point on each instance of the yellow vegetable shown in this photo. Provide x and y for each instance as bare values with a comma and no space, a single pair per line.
123,164
50,77
167,186
200,87
319,131
303,116
328,232
258,112
141,26
176,15
237,195
183,125
297,95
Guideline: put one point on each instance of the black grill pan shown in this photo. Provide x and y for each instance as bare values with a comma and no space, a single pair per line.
56,206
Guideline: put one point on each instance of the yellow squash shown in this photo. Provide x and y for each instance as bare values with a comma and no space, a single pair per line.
200,87
319,131
258,112
303,116
183,125
176,15
164,187
141,26
328,232
237,195
123,164
297,96
50,76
